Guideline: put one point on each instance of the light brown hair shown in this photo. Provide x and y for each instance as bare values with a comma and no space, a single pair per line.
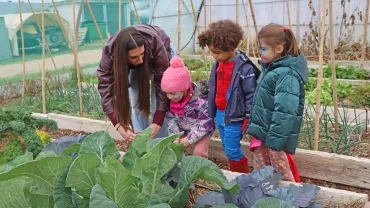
275,34
129,39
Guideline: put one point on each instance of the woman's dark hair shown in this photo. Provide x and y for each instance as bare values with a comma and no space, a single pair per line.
275,34
223,34
126,40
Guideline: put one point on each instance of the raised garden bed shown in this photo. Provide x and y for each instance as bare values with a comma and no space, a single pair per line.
343,169
90,125
310,163
80,171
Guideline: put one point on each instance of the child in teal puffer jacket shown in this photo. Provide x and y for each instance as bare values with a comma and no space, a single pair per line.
278,102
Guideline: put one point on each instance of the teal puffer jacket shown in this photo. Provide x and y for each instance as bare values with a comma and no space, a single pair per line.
278,103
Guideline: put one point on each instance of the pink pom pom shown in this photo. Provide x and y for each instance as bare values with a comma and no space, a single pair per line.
177,62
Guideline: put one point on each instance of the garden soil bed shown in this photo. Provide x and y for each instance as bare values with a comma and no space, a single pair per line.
200,185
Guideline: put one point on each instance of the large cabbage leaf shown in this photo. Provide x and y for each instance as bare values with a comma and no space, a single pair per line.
62,143
12,195
43,172
151,167
63,195
101,144
118,184
193,168
99,198
137,149
82,174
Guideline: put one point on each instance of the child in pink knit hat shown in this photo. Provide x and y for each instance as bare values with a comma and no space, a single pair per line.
188,109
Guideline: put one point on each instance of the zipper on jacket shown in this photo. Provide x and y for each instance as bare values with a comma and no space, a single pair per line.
231,93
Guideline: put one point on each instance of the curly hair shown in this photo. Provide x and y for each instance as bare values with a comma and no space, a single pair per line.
223,34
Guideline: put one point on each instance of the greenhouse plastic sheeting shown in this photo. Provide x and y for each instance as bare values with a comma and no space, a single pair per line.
165,15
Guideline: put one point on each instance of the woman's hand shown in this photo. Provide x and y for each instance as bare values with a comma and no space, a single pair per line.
126,133
155,129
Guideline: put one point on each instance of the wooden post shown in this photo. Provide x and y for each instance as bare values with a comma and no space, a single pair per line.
298,5
119,15
248,31
364,41
43,95
237,11
253,17
319,77
66,35
195,16
96,24
288,11
205,14
47,47
23,55
210,11
77,65
178,26
332,63
197,26
136,13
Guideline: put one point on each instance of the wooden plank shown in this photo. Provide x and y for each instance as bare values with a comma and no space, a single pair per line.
330,167
325,195
80,124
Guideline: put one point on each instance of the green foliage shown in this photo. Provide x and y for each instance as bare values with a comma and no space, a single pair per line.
361,95
12,150
62,100
20,126
96,179
343,90
349,72
45,137
199,69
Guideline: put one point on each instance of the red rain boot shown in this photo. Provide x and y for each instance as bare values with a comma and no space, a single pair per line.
293,168
240,166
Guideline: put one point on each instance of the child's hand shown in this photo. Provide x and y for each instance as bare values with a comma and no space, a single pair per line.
183,140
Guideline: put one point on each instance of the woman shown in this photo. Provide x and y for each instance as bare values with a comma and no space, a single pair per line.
131,59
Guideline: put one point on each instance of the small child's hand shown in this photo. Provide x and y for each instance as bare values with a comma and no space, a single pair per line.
185,141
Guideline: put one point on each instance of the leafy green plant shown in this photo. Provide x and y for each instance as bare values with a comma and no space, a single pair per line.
62,100
343,91
21,126
361,95
349,72
343,88
93,177
199,69
325,98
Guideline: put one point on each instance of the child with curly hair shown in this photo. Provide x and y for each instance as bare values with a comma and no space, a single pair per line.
278,104
232,85
188,108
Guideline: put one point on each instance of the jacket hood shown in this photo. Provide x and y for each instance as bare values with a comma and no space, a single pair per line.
196,93
298,64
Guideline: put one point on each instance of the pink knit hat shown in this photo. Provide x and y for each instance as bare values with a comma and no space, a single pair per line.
177,77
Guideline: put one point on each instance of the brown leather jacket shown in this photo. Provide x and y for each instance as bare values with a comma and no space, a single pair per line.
159,44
